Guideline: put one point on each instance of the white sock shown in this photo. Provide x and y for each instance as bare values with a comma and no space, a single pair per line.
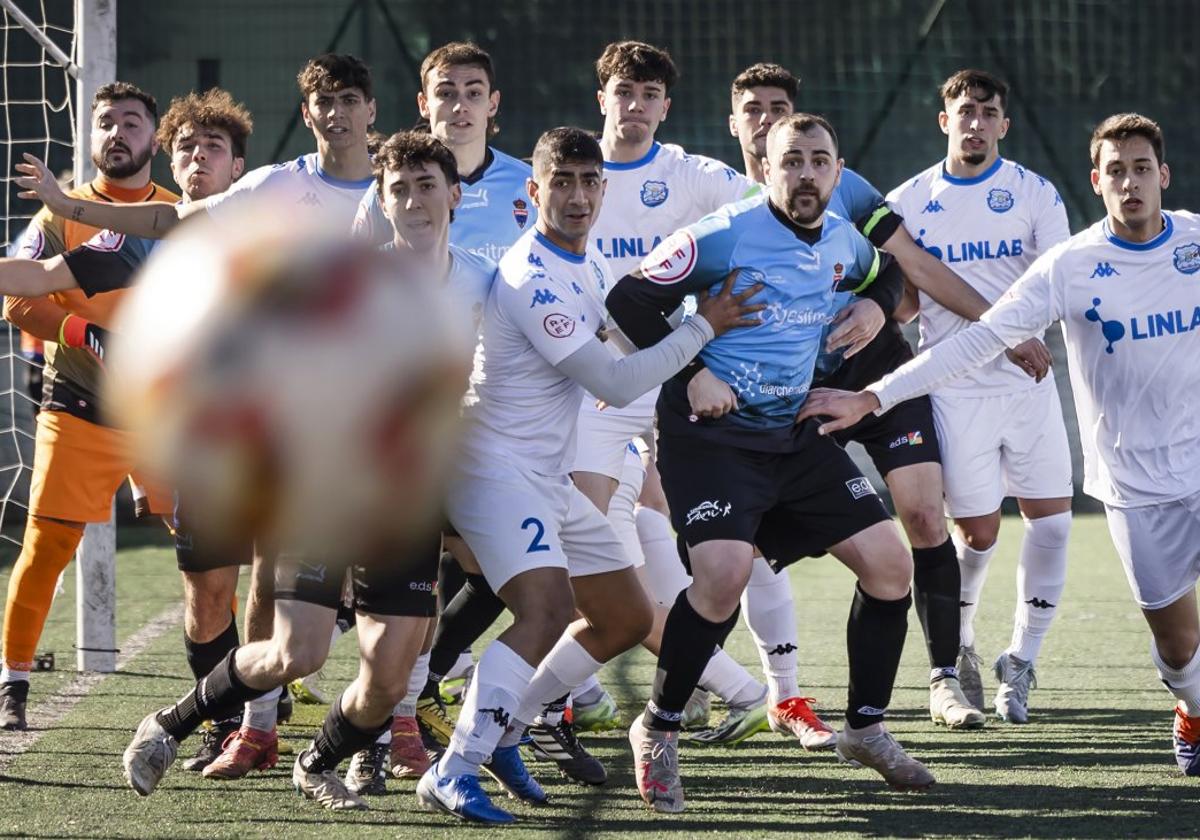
725,677
565,667
621,510
1183,682
590,691
263,713
8,675
1041,575
665,574
385,737
460,666
973,566
416,683
770,612
501,680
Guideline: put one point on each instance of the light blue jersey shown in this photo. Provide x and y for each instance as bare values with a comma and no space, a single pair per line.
469,282
494,211
770,366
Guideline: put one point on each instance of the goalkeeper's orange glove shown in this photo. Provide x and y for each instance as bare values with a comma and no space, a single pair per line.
79,332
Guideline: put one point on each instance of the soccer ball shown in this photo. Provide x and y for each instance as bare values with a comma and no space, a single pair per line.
290,383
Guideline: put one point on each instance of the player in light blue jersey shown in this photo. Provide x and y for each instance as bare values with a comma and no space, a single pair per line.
744,475
761,95
459,99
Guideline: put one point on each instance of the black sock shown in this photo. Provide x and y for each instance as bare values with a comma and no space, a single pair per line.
217,696
936,584
467,617
338,739
346,617
687,644
202,657
874,642
450,580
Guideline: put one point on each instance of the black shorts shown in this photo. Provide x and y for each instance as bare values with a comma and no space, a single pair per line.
195,554
901,437
790,504
404,585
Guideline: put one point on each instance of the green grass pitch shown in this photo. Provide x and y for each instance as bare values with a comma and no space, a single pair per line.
1095,760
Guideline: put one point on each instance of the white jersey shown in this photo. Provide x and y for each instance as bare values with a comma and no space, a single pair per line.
647,200
1131,319
468,284
988,230
301,182
546,303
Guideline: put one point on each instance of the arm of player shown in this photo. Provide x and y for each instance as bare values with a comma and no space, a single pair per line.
619,382
34,278
1025,310
151,219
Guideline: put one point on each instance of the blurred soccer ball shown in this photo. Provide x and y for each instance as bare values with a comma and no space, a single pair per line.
290,384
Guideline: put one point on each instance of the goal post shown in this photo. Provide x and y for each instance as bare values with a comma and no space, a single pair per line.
67,50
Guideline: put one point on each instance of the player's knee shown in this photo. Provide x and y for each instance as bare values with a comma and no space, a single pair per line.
383,689
297,660
980,536
637,620
1179,648
548,620
718,594
925,525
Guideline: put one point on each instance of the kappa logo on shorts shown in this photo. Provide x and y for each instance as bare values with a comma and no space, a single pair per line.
859,487
558,325
910,439
706,511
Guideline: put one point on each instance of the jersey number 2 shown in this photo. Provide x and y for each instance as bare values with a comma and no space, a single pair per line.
536,543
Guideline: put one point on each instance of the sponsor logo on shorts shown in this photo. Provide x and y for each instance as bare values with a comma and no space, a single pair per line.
860,487
558,325
910,439
706,511
421,585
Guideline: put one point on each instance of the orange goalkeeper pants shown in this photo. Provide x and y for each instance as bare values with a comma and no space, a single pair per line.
46,550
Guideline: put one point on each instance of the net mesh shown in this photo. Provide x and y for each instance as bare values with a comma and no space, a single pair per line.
38,118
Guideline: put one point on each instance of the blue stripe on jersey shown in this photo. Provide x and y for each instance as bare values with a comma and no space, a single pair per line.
554,249
1168,228
634,164
965,182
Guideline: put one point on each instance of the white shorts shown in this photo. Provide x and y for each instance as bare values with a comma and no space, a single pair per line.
603,435
1003,445
515,520
1159,546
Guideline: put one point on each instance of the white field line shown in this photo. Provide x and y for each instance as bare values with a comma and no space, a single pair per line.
53,709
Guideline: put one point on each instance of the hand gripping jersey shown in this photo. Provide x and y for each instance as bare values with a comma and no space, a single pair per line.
1131,320
495,209
48,236
988,229
301,182
545,304
769,366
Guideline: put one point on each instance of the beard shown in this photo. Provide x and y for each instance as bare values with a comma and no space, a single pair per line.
974,158
806,214
131,166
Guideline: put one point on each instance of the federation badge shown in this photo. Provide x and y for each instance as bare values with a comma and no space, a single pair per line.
654,193
1187,258
520,212
999,201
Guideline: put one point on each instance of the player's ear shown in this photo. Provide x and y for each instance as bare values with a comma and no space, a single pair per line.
1096,181
944,122
733,132
305,115
1164,176
531,187
371,111
600,100
455,196
1004,123
422,105
239,166
666,108
493,103
841,165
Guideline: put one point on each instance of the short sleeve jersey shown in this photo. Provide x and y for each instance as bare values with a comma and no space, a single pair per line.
301,182
108,261
647,200
769,366
988,230
546,303
495,209
1131,320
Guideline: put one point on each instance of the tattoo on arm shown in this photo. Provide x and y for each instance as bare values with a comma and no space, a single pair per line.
154,226
76,214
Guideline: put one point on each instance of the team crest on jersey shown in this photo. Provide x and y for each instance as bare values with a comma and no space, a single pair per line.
558,325
1187,258
672,260
839,271
520,212
107,240
1000,201
654,193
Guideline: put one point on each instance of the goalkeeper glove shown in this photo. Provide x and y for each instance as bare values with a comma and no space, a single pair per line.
79,332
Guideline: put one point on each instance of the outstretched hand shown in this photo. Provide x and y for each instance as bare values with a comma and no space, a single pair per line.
37,182
844,408
727,310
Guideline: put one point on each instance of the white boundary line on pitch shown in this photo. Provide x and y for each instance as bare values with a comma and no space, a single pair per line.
54,708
